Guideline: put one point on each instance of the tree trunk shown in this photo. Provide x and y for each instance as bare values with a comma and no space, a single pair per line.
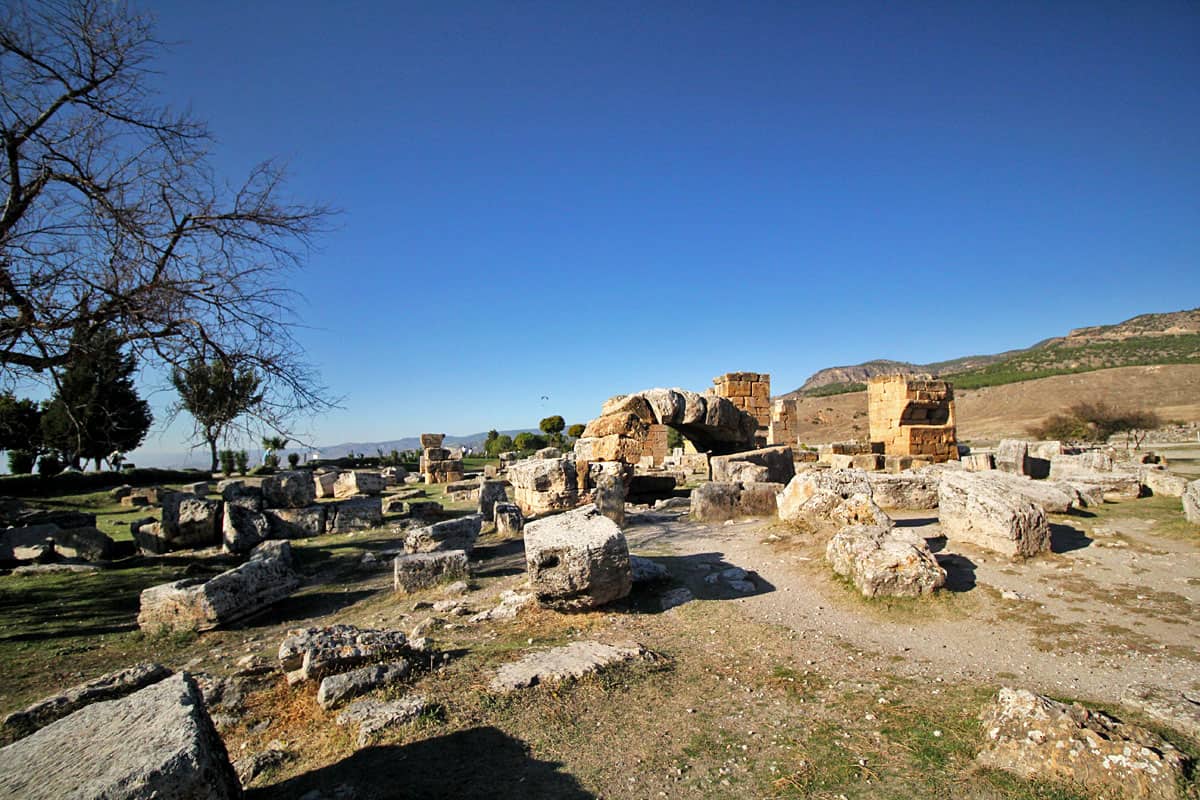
212,448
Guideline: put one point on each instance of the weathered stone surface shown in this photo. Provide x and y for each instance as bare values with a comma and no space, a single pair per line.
1191,503
289,489
766,465
452,534
337,689
643,570
250,767
548,452
197,604
978,462
107,687
354,514
973,509
1177,710
148,536
574,660
87,543
543,485
1011,456
308,654
240,493
430,440
510,607
358,481
242,529
1053,498
199,488
1038,738
1162,483
393,476
157,742
885,561
423,570
491,493
296,523
373,716
720,501
577,560
609,496
325,483
908,490
838,497
189,521
509,518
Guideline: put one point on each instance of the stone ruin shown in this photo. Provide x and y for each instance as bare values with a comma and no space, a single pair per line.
437,463
751,393
912,416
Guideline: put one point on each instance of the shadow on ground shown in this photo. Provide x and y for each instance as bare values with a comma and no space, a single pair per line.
475,763
707,575
1064,538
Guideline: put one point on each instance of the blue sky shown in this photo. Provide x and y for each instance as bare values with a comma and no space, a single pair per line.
572,200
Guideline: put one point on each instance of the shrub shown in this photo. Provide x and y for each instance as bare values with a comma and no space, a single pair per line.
293,460
228,459
242,459
48,465
20,462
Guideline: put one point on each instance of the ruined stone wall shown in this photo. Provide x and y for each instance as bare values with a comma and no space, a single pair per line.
750,392
438,465
655,445
782,429
912,416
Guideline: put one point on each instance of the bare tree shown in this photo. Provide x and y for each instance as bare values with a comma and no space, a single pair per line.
112,216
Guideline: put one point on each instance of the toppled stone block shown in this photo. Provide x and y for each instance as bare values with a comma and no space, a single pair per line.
107,687
765,465
243,529
509,518
719,501
354,482
189,521
1038,738
373,716
149,537
973,509
609,496
837,497
1162,483
289,489
907,490
354,514
491,493
1048,494
309,654
452,534
240,493
577,560
393,476
543,485
296,523
574,660
1012,456
325,483
1175,709
199,489
87,543
198,604
157,742
337,689
881,562
423,570
1191,502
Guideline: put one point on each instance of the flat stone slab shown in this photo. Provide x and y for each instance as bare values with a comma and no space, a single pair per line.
424,570
337,689
158,742
373,716
313,653
1176,709
106,687
560,663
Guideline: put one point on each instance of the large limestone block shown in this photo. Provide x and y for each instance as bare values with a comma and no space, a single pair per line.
355,482
453,534
240,493
1053,498
628,404
242,529
1191,502
491,493
1162,483
337,689
157,742
543,485
766,465
289,489
430,440
354,514
695,408
189,521
577,560
758,499
973,509
198,604
310,654
718,501
573,660
416,571
909,490
509,519
1011,455
87,543
107,687
325,483
1041,739
296,523
666,404
885,561
609,496
620,424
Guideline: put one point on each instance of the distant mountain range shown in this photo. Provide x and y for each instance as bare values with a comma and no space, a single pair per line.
1171,338
472,440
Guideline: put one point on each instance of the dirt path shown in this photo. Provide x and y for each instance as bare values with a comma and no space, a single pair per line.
1100,613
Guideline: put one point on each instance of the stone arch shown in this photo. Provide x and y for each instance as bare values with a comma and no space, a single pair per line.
710,422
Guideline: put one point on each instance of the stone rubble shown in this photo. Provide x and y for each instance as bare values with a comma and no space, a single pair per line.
892,562
574,660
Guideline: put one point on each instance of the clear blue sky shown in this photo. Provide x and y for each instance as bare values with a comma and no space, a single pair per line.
574,200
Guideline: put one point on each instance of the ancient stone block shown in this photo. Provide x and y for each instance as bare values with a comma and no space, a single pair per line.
1191,503
354,514
909,490
289,489
885,561
240,493
912,415
509,518
491,493
766,465
429,440
188,521
296,523
423,570
453,534
355,482
242,529
156,742
560,663
540,486
337,689
973,509
577,560
309,654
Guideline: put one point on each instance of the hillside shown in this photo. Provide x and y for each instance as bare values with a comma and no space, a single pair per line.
995,412
1170,338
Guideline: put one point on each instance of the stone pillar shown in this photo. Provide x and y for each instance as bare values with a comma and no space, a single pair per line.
912,416
751,392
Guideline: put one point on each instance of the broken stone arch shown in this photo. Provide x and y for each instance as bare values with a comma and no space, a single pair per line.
713,424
